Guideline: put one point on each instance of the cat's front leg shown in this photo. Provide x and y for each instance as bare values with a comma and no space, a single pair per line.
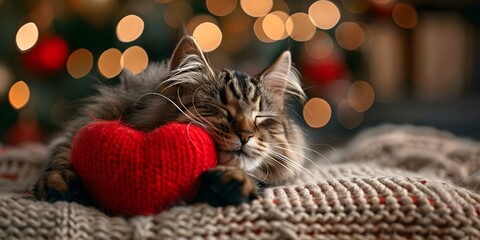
58,181
222,186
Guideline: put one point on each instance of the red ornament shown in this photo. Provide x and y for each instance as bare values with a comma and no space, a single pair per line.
48,56
324,71
131,172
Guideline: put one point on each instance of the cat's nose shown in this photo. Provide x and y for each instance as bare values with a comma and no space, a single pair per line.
244,136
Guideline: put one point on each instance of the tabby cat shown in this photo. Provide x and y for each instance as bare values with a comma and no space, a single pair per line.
256,141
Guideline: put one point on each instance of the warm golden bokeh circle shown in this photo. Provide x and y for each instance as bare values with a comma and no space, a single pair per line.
80,63
361,96
405,16
19,95
324,14
256,8
381,2
347,116
258,30
350,35
317,112
195,21
300,27
273,26
356,6
177,13
109,63
129,28
27,37
320,46
237,21
208,36
221,7
134,59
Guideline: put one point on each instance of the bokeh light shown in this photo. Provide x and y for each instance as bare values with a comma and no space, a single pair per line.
274,25
361,96
221,7
109,63
42,14
356,6
300,27
177,13
405,15
134,59
19,95
320,46
381,2
237,21
258,29
317,112
80,63
27,37
5,79
194,22
350,35
256,8
129,28
324,14
208,36
347,116
336,91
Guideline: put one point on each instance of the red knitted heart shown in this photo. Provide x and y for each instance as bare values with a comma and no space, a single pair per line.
130,172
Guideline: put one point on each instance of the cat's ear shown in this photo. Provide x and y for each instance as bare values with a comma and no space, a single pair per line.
282,78
188,52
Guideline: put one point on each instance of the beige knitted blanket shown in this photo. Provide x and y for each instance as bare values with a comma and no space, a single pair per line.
388,183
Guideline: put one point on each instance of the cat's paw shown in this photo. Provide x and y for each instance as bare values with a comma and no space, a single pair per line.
224,186
58,185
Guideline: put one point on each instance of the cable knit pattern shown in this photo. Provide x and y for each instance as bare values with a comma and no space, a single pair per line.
368,192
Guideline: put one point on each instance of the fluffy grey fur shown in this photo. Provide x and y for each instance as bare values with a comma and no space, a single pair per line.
245,115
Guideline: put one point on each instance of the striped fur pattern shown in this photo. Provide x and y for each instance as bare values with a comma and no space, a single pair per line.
245,115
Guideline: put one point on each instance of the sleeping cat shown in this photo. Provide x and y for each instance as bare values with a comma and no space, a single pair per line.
256,141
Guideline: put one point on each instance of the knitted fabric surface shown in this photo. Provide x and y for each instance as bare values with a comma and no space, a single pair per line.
131,172
388,183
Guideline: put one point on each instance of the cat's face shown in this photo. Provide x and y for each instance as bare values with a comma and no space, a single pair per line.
236,111
244,114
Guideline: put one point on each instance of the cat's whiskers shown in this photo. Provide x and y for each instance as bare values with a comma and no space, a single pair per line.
310,160
295,164
174,104
279,163
267,170
325,145
195,108
191,71
296,168
206,127
294,112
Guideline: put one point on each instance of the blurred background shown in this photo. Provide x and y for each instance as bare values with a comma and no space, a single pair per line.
363,62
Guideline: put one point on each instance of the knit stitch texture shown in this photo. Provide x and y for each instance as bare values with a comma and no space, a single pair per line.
131,172
388,183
